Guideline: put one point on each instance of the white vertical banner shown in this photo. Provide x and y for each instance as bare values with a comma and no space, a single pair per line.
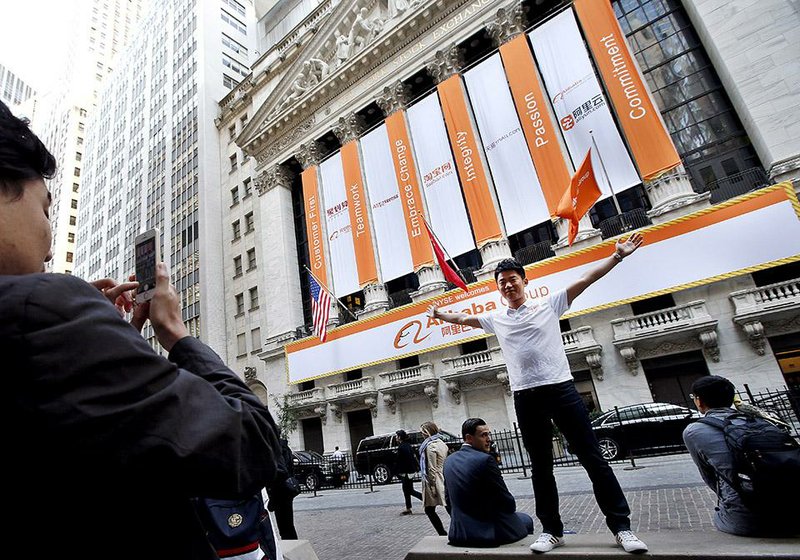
391,235
518,189
447,214
340,235
579,102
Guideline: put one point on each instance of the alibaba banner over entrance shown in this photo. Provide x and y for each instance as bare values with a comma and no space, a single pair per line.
748,233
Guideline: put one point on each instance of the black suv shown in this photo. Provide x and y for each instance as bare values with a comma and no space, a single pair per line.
376,455
313,470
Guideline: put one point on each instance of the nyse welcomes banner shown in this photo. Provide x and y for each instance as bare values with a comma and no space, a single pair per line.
468,159
518,190
408,183
534,112
579,102
359,214
316,242
391,237
447,214
340,236
689,251
647,136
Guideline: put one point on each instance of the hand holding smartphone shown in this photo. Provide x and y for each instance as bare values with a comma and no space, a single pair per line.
148,254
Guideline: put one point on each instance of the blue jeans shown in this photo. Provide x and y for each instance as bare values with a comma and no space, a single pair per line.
562,404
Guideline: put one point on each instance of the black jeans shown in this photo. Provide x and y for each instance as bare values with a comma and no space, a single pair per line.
562,404
436,521
408,489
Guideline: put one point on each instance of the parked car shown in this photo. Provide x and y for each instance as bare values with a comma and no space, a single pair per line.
315,471
376,455
642,426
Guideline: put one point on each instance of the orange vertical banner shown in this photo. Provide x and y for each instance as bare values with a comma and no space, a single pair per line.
359,220
316,246
470,166
537,124
647,136
408,183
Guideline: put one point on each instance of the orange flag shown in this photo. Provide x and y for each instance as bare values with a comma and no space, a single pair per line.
579,197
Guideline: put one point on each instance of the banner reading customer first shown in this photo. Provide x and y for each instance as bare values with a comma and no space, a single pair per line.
719,242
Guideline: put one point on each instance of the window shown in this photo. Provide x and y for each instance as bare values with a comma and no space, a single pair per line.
237,266
70,237
237,7
241,344
236,230
75,187
254,298
255,339
80,141
69,257
228,82
251,259
239,304
307,385
74,204
234,162
234,196
234,45
243,120
233,22
248,222
247,188
231,132
77,172
81,126
72,220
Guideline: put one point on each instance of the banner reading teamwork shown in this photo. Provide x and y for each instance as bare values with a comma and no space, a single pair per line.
689,251
340,235
447,214
518,190
579,102
391,237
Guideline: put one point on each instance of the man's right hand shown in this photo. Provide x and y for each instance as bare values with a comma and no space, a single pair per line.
165,312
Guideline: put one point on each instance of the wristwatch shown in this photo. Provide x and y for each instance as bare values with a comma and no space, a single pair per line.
618,256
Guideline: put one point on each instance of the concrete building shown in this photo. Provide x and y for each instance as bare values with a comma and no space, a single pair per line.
103,29
722,75
19,96
151,155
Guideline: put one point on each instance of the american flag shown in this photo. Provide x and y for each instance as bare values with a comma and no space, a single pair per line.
320,307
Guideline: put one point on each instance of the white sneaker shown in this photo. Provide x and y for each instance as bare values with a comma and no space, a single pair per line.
547,542
630,542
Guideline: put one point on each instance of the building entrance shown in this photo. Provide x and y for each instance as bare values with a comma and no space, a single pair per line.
787,353
312,434
360,423
671,377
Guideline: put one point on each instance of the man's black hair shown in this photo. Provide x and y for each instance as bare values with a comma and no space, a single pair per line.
470,425
714,391
22,154
402,435
509,264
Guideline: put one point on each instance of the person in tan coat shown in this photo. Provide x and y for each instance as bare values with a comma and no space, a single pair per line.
432,454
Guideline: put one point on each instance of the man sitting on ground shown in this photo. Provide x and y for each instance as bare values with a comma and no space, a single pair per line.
713,395
482,510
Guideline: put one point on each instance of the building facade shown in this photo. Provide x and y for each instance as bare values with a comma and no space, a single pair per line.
333,73
151,152
15,93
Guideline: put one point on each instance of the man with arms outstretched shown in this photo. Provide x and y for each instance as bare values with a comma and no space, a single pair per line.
544,391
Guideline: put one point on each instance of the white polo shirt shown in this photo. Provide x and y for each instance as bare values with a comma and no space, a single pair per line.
530,337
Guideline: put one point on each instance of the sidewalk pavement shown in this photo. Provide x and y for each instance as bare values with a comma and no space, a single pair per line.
666,495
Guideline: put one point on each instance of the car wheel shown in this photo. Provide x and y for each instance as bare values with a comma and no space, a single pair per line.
312,481
381,474
609,448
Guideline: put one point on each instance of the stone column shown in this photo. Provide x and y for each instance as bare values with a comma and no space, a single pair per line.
507,24
671,195
431,280
587,235
309,155
376,300
492,252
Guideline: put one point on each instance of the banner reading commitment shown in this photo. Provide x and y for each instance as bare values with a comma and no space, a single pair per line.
359,214
534,112
470,166
316,245
649,140
410,196
337,218
686,252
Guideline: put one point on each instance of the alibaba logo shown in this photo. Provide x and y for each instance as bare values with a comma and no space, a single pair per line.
412,330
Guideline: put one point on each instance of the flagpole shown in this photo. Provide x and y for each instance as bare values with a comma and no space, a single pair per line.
446,254
605,174
327,291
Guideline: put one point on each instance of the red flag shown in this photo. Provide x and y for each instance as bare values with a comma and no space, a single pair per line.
449,273
580,196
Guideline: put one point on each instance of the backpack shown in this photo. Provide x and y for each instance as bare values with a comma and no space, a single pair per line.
232,526
766,461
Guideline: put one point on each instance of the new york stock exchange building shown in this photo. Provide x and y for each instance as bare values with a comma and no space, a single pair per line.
363,119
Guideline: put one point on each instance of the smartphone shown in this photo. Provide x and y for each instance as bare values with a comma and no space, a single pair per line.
148,253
